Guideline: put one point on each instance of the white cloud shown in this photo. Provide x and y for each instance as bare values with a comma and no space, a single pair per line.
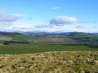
6,19
55,25
65,28
61,20
54,28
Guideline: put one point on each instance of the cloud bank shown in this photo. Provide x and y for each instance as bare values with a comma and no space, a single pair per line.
61,20
7,19
57,24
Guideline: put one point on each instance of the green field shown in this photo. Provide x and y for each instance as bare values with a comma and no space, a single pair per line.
16,43
41,47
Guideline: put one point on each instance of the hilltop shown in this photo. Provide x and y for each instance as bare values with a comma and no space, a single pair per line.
50,62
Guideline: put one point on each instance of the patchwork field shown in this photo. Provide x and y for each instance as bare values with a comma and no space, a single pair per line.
21,43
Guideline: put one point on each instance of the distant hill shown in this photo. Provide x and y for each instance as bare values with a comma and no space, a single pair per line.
55,38
9,36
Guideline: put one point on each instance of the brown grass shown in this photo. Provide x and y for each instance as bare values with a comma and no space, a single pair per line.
50,62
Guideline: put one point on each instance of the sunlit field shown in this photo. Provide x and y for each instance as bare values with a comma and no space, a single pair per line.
50,62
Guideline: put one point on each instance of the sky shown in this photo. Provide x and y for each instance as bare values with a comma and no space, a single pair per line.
49,15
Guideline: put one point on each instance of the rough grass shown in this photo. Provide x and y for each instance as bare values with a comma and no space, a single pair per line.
50,62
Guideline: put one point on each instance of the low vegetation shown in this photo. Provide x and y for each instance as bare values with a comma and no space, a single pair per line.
50,62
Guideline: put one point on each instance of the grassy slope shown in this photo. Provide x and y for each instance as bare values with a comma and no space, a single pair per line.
51,62
18,58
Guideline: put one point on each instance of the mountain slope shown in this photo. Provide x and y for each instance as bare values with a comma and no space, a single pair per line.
60,38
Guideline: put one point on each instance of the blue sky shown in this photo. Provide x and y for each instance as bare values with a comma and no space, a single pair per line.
49,15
